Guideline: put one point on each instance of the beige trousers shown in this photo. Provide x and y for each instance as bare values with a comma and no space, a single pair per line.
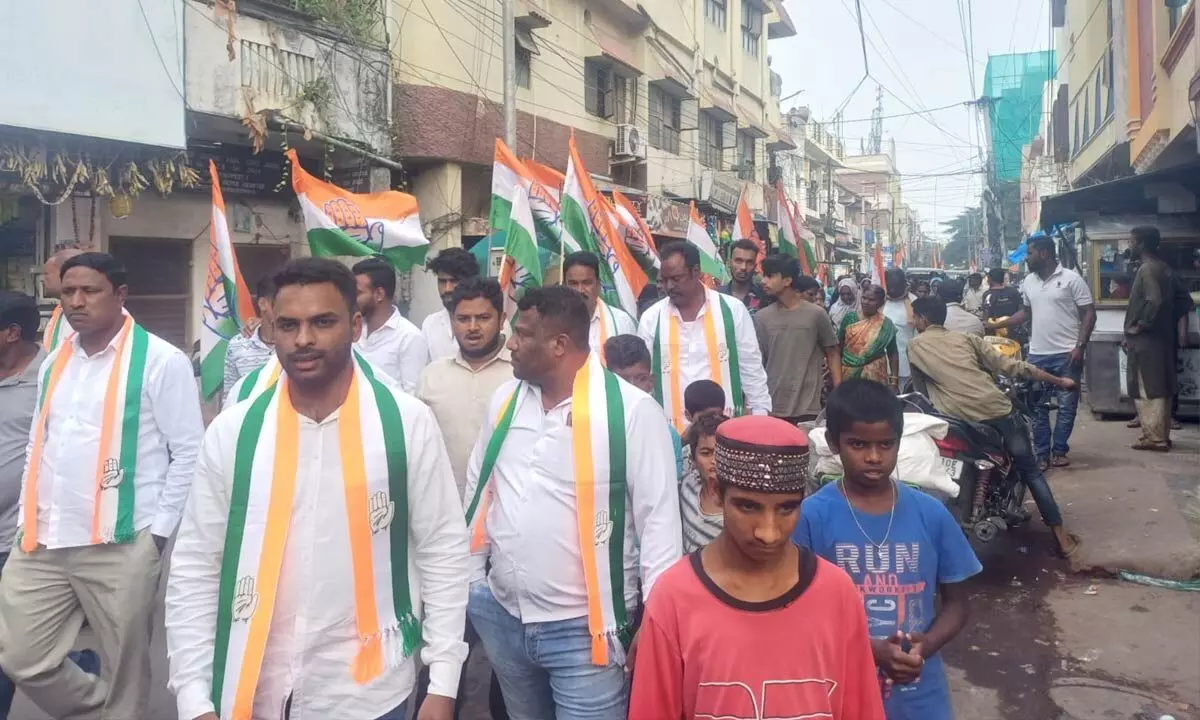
1155,415
45,597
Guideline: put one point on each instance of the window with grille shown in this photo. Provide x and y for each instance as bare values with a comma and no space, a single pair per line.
715,12
752,21
624,97
665,120
710,141
746,156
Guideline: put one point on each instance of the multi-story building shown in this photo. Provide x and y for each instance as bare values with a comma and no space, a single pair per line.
671,101
875,179
146,92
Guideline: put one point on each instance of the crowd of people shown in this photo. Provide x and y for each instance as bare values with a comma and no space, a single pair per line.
611,508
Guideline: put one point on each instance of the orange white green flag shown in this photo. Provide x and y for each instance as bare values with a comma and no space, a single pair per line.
586,218
743,228
520,269
228,308
710,259
509,174
791,241
636,233
342,223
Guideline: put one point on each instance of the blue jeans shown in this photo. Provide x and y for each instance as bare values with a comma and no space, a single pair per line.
1016,438
85,659
1068,406
545,669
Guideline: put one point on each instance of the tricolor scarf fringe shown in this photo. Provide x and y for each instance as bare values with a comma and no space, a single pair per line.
724,368
375,476
598,449
256,381
116,460
608,325
54,334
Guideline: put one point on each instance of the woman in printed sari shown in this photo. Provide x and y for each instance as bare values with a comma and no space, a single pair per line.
869,342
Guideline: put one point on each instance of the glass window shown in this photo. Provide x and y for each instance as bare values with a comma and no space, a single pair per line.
524,67
752,19
715,11
1099,99
710,141
746,156
665,112
598,89
1113,275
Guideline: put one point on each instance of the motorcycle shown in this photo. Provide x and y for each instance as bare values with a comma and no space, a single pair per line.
992,496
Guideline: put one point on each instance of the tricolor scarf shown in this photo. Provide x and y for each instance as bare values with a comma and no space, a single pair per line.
598,448
54,333
608,325
724,368
256,381
116,460
375,477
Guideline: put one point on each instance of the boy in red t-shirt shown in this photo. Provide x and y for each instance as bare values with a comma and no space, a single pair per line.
752,626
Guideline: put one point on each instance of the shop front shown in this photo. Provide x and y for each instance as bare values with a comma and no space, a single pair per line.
1097,239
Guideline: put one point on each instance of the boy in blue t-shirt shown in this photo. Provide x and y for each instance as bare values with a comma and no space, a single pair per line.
900,546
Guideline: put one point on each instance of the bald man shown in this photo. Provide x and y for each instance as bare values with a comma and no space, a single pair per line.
57,328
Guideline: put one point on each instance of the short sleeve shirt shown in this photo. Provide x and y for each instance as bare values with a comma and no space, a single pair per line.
1055,304
898,578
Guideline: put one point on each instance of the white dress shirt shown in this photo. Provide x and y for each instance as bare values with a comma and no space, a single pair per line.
313,640
693,355
619,323
397,348
170,429
532,521
459,396
439,335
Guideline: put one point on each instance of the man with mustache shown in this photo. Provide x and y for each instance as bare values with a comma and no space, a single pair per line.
581,273
452,266
112,449
573,507
323,543
700,334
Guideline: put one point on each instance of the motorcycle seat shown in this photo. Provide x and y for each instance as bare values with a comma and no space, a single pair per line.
977,433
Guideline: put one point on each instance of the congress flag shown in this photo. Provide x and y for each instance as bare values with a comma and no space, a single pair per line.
587,225
710,259
636,232
509,173
520,269
340,222
791,241
228,308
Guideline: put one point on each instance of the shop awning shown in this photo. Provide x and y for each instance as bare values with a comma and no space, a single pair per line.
1136,195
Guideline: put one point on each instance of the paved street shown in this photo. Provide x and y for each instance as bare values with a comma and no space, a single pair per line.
1046,643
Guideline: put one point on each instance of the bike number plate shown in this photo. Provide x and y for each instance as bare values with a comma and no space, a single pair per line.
953,467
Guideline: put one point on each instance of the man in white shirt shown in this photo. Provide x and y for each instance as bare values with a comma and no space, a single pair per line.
554,613
452,266
459,389
112,452
393,344
973,295
958,318
898,309
1063,316
581,273
699,334
303,615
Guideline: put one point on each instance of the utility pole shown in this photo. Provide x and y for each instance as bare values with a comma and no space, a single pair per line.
510,74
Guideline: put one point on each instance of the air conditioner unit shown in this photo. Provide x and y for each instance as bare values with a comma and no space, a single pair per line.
629,142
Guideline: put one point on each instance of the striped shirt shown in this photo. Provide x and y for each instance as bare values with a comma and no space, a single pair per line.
244,355
699,527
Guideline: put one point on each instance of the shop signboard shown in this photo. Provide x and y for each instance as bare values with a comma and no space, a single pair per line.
666,217
244,173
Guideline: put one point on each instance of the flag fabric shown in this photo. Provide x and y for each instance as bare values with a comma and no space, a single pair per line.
636,233
586,218
710,259
743,228
341,223
228,307
877,266
791,240
520,269
508,173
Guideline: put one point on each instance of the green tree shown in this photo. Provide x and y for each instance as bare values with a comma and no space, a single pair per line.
966,227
